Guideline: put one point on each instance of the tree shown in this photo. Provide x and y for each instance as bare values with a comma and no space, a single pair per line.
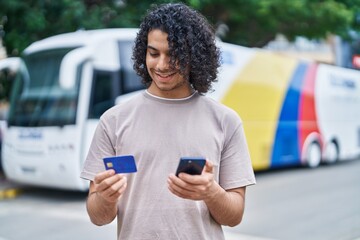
251,23
255,23
24,22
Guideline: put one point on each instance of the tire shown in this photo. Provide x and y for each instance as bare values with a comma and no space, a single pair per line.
313,155
331,153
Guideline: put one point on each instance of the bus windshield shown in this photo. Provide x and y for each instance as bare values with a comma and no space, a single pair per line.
37,98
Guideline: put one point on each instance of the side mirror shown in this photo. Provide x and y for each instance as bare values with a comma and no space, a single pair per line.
9,67
70,64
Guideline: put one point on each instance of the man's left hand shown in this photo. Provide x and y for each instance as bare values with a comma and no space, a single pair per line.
195,187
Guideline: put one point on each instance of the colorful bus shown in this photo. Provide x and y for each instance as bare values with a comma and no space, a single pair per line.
294,112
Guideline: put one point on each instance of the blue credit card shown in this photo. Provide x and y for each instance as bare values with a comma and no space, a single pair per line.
121,164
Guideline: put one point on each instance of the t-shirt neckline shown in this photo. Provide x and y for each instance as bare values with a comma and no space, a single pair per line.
148,95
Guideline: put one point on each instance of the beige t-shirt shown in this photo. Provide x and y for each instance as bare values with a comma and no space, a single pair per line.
158,132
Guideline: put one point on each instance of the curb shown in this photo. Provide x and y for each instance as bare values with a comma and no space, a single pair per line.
9,193
8,190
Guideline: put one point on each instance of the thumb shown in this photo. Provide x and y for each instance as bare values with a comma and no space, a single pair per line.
208,166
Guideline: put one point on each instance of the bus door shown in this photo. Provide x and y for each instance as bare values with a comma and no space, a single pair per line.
108,85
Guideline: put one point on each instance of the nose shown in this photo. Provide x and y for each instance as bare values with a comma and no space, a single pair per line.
163,63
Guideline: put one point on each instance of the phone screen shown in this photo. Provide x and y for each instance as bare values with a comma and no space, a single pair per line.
191,165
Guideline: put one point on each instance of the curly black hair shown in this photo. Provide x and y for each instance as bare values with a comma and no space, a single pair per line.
191,44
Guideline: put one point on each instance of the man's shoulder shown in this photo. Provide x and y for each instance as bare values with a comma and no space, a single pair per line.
124,105
219,108
132,98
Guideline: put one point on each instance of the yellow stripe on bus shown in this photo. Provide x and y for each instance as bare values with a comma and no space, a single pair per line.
257,95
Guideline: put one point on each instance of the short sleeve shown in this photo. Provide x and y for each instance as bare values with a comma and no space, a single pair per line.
235,166
100,147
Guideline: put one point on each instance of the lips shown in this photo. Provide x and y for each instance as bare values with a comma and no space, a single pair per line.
165,76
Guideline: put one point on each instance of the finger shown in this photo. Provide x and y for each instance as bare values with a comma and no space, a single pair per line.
179,183
184,193
103,175
190,179
175,192
181,192
116,190
108,182
115,186
209,166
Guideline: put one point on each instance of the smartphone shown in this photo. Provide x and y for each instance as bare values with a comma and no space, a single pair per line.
191,165
121,164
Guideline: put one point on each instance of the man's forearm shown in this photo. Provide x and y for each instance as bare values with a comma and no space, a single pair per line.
227,207
100,211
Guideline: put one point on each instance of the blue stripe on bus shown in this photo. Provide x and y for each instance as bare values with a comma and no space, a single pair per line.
286,142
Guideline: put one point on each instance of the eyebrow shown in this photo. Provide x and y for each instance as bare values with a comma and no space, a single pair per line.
153,48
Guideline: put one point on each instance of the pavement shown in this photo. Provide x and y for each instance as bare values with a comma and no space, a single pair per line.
8,189
11,190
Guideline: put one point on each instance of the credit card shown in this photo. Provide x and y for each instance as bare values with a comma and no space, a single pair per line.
121,164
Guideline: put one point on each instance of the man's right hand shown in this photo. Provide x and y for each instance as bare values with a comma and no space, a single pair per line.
109,186
104,193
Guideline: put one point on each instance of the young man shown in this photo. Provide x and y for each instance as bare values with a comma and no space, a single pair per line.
176,56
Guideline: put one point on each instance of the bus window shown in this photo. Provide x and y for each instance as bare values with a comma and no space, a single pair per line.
102,94
130,81
37,99
109,85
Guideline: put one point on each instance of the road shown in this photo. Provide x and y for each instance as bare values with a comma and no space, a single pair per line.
300,203
297,203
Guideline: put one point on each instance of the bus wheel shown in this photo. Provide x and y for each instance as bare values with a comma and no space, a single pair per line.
313,155
331,153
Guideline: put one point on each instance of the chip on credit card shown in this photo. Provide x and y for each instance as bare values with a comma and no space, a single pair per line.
121,164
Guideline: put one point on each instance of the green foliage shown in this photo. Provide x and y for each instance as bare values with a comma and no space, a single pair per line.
256,22
251,22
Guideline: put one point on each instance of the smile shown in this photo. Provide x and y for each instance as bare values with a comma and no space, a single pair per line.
165,76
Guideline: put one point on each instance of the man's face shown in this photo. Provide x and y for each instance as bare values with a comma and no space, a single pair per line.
166,81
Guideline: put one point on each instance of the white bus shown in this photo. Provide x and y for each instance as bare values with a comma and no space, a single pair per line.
295,112
63,85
